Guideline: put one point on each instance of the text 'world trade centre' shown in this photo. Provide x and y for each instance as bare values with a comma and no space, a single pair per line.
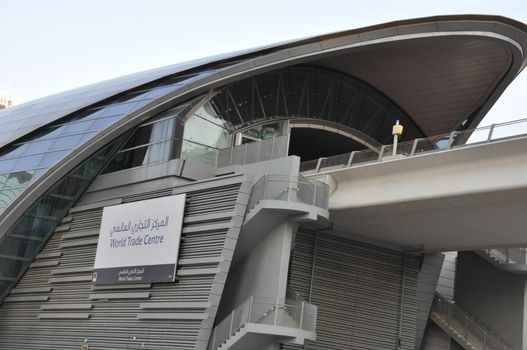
257,201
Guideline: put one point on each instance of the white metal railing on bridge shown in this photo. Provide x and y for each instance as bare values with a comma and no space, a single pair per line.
290,188
455,139
464,327
508,256
294,313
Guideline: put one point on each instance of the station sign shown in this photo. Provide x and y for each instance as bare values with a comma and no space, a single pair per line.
139,241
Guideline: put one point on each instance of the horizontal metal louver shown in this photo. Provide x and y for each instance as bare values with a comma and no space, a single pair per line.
357,289
55,306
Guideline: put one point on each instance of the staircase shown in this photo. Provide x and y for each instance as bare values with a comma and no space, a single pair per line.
509,259
464,328
259,322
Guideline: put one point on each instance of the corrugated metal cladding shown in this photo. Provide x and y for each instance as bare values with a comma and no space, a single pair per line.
357,288
55,306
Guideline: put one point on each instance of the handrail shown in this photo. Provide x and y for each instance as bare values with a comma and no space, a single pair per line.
466,325
455,139
290,188
252,152
293,313
508,256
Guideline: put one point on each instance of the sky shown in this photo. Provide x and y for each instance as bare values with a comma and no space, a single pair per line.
56,45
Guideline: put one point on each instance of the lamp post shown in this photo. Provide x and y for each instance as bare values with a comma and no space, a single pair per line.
397,131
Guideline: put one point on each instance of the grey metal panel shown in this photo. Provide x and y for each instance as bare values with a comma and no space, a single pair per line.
48,255
172,316
65,316
160,315
357,289
70,279
66,307
175,305
45,263
80,234
31,290
119,296
24,299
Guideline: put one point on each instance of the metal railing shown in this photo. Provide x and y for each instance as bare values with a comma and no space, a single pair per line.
252,152
294,313
455,139
508,256
290,188
464,327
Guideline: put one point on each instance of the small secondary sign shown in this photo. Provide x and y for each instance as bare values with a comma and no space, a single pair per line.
139,241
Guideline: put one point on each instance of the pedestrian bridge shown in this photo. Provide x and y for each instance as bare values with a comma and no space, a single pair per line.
437,194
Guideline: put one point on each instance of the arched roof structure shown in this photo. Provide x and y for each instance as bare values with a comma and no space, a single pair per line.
443,72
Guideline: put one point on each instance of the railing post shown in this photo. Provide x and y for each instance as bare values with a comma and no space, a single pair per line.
251,301
272,148
302,314
264,194
317,169
451,139
232,320
245,154
491,130
230,156
350,159
289,188
466,328
275,314
414,146
381,153
315,194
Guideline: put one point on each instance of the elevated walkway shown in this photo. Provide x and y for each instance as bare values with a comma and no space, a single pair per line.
436,194
463,327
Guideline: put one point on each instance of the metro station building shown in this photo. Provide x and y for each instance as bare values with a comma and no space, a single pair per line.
300,227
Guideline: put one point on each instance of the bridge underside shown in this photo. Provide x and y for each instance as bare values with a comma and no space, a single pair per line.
462,199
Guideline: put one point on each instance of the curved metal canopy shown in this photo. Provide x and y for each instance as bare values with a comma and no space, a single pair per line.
441,70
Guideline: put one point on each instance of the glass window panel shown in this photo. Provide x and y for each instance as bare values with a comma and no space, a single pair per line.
200,153
38,146
17,179
7,165
8,195
203,128
140,137
13,151
18,247
76,127
122,108
51,158
29,162
10,267
66,142
101,123
157,152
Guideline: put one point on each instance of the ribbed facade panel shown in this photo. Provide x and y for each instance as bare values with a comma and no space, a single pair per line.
357,288
55,305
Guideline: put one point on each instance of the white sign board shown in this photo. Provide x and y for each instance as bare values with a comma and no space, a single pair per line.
139,241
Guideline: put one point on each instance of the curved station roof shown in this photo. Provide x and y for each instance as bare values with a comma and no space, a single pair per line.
440,73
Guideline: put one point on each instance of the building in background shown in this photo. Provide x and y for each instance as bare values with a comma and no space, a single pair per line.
7,100
255,200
